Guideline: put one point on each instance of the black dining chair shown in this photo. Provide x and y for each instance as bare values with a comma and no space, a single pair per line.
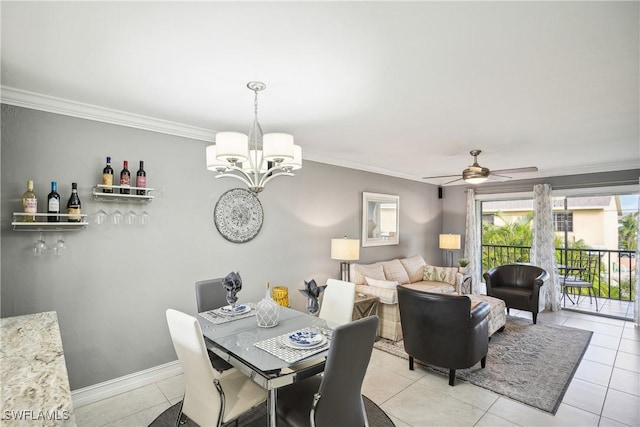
211,295
334,398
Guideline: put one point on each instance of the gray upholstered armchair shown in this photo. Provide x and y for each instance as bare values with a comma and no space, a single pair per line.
518,285
443,330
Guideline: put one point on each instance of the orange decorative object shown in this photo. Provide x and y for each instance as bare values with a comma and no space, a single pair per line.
280,295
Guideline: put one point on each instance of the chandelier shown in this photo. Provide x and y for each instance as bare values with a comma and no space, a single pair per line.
255,159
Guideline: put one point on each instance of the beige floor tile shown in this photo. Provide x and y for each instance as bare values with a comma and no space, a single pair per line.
381,384
464,392
606,341
631,332
417,405
603,355
117,407
585,395
607,422
594,372
628,361
398,422
568,416
622,407
142,418
396,364
519,413
173,387
625,381
602,328
491,420
630,346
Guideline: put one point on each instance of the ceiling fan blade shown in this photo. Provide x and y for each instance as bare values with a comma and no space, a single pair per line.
515,170
441,176
451,182
497,177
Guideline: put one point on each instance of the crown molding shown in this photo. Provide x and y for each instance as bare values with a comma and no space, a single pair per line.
51,104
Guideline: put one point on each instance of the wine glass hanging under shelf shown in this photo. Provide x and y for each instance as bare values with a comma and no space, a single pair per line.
132,197
42,222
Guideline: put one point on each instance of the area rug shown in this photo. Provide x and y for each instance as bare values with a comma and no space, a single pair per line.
258,417
532,364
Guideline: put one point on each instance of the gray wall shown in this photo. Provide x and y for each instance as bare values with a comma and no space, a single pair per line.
113,285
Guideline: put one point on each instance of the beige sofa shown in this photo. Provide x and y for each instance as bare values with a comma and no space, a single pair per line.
380,279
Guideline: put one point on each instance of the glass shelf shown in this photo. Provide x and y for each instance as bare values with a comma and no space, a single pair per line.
19,224
117,197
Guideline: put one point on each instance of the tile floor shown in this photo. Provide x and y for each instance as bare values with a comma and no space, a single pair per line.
605,390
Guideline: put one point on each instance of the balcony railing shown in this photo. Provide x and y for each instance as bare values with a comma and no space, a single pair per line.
613,271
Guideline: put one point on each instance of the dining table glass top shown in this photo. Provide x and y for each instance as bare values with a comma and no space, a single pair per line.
239,337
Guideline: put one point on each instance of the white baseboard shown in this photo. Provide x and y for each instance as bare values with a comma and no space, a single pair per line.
93,393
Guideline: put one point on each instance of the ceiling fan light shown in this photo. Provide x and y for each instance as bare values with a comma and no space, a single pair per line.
232,146
277,147
472,176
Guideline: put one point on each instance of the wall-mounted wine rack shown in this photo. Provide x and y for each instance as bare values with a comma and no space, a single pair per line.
42,223
99,194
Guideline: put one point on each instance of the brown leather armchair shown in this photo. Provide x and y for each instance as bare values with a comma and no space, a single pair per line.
443,330
518,285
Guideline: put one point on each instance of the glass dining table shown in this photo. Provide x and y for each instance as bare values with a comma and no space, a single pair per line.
261,353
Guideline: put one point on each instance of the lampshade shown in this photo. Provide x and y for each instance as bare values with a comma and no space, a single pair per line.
213,164
450,241
345,249
296,162
232,146
277,147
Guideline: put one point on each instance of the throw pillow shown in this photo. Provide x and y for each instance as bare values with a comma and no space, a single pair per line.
388,284
414,266
374,271
440,274
393,270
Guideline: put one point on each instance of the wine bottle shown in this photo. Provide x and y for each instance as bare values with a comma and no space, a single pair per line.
29,203
141,179
74,207
53,203
125,178
107,177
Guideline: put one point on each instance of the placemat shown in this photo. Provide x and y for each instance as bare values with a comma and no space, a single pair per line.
276,347
218,317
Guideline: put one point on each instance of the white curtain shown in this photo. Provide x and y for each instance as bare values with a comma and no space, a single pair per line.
472,243
543,248
636,303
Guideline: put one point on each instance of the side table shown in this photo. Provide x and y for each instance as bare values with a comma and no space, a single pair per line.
365,306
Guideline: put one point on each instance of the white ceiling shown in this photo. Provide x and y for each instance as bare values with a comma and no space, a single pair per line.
404,89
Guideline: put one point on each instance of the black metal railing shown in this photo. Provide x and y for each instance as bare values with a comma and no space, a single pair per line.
612,275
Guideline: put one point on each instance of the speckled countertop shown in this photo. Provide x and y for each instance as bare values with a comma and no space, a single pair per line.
33,374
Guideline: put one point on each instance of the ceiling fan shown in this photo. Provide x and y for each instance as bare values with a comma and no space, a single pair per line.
476,174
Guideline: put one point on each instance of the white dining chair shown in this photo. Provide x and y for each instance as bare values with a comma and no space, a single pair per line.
337,302
211,398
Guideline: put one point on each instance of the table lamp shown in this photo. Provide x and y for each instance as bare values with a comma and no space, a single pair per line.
450,242
345,250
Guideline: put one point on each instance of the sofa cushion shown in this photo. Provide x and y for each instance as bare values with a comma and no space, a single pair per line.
393,270
440,274
374,271
388,284
414,267
431,286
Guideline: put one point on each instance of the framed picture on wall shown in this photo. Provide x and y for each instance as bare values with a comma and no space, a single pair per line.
380,219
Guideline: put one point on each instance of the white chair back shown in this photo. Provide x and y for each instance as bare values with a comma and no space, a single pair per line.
337,302
202,402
